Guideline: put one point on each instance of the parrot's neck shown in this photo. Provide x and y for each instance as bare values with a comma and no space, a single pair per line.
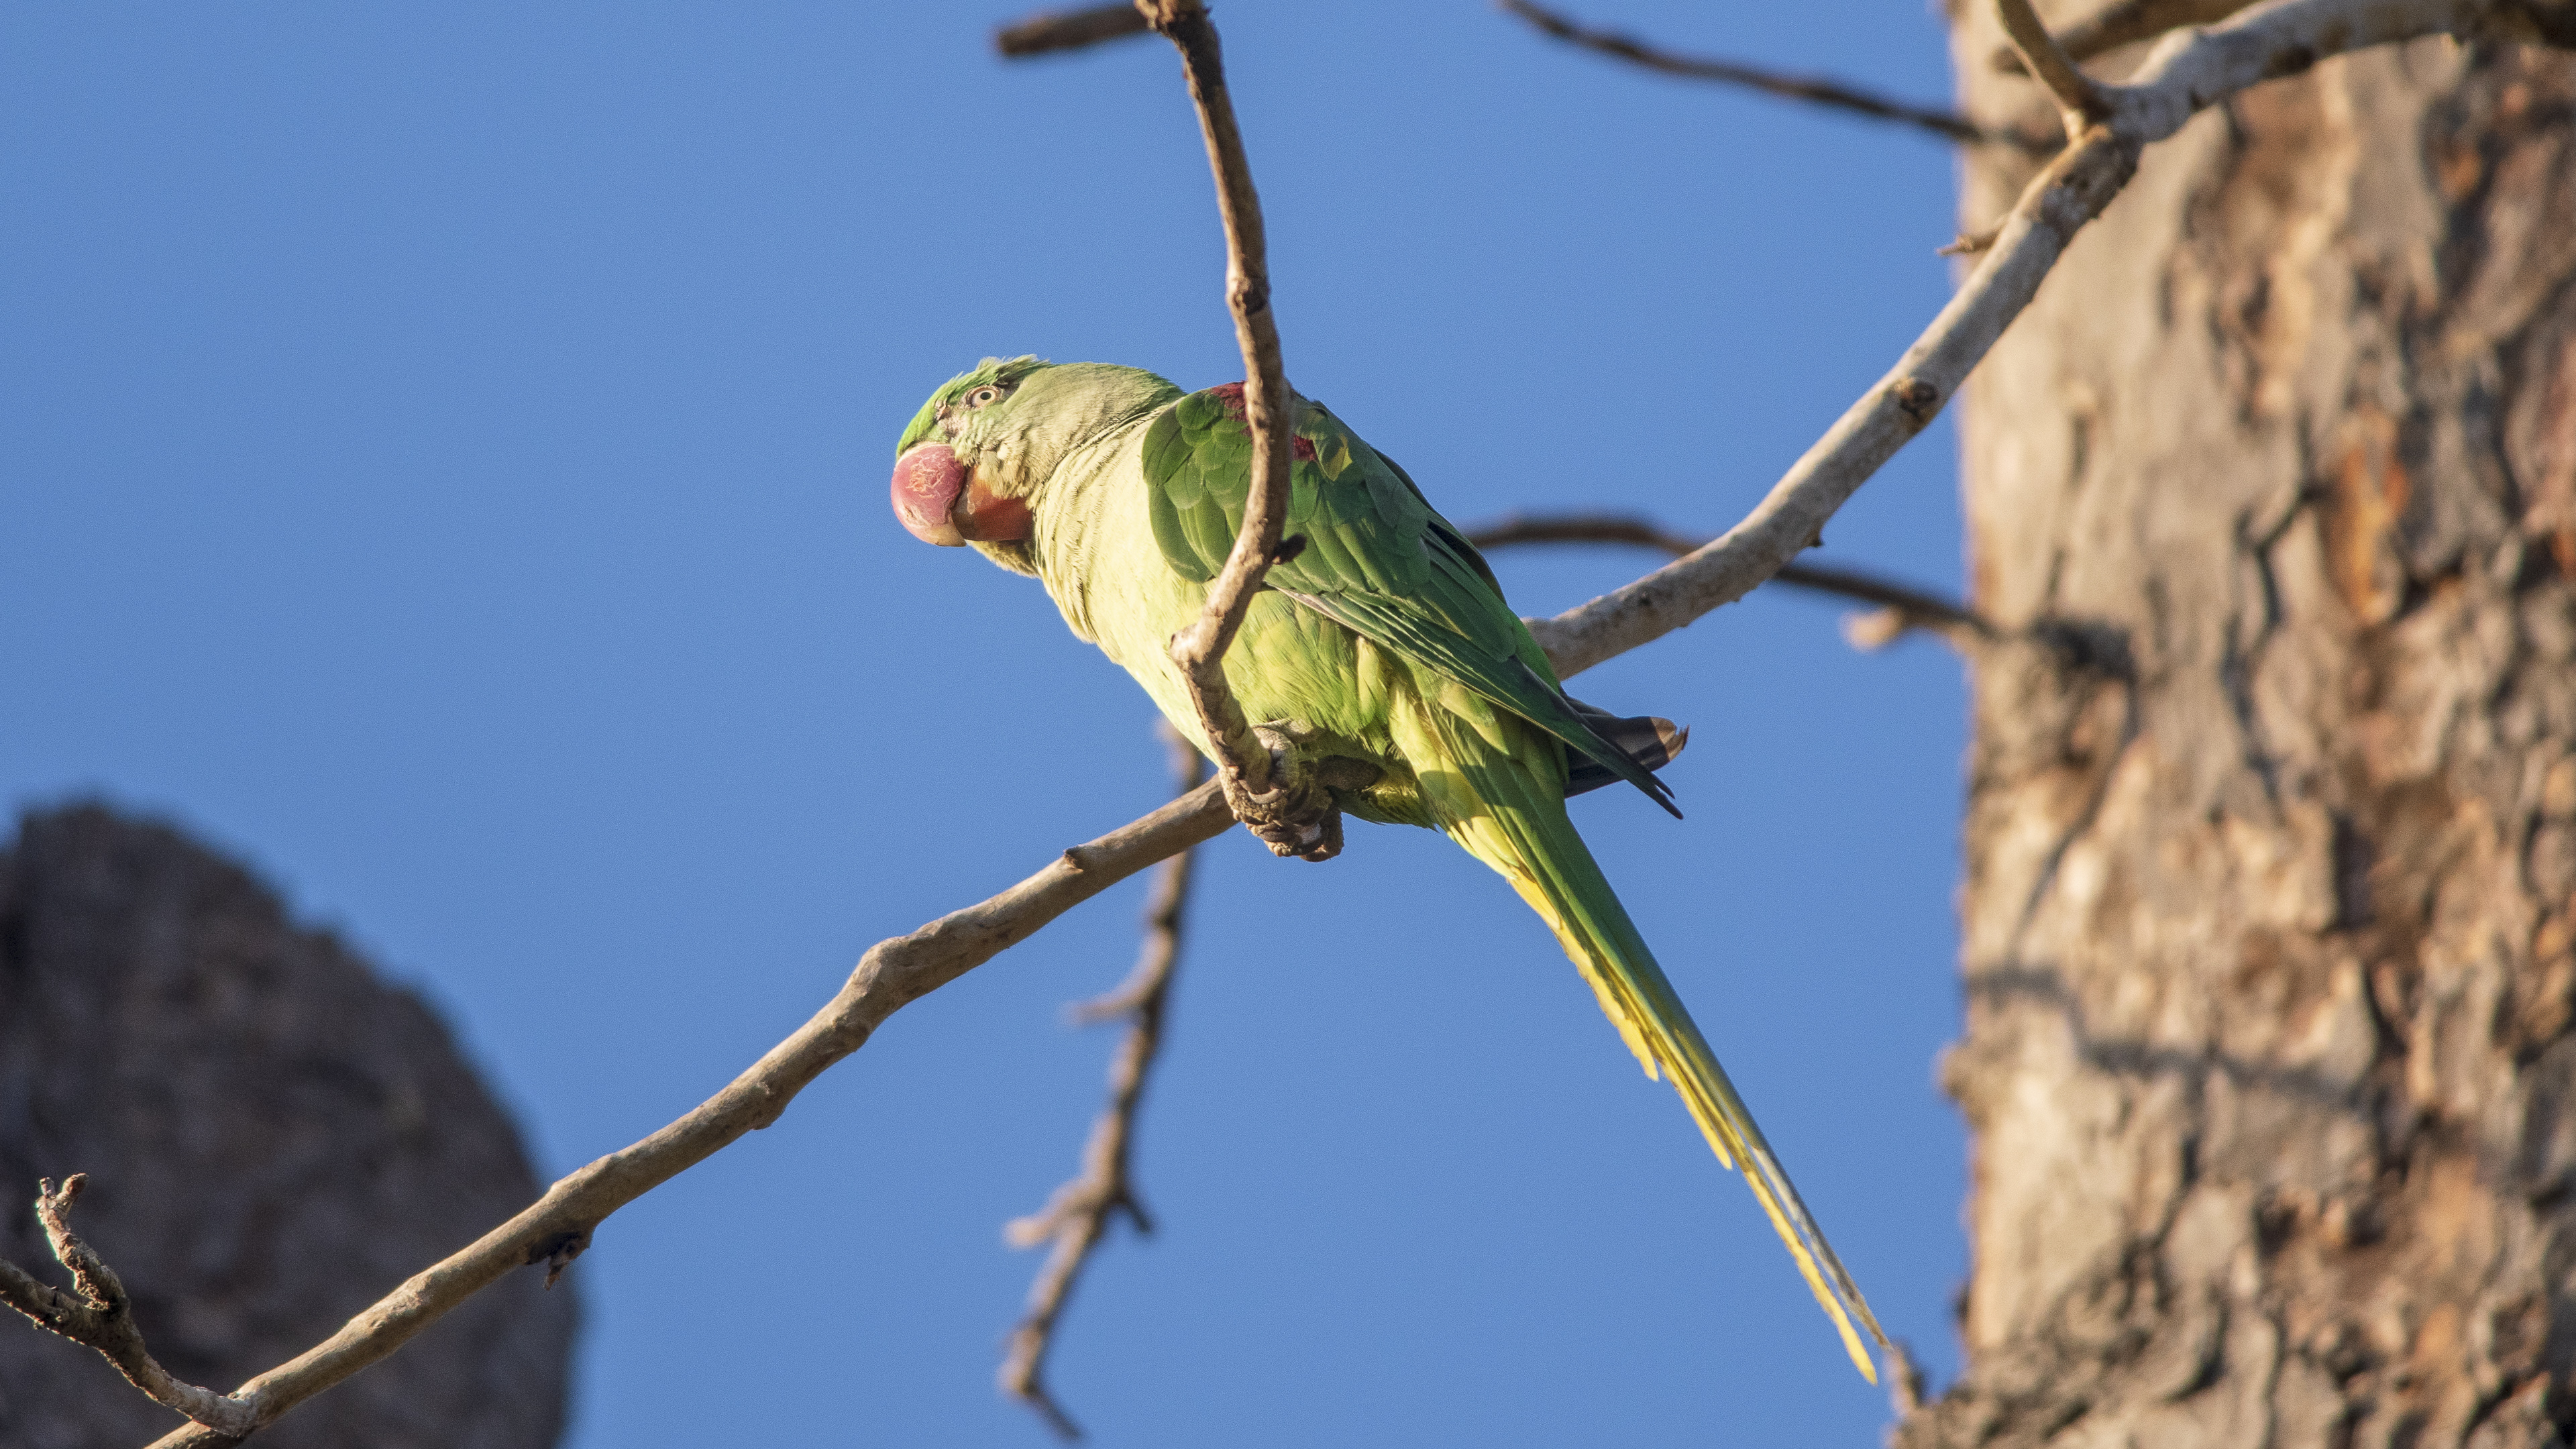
1079,520
1092,536
1065,413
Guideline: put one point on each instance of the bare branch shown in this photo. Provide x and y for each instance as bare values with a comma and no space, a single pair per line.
1900,608
1057,30
2080,103
1293,815
894,973
1077,1217
1949,125
2125,22
2187,72
1521,528
99,1315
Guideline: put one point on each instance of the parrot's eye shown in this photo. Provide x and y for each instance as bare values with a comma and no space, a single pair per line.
982,395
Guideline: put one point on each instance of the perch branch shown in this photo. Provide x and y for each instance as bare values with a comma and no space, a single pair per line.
1077,1217
98,1314
2186,72
1055,30
892,974
1899,608
1292,814
1949,125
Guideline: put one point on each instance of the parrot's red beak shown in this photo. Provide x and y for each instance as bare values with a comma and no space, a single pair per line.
938,501
927,481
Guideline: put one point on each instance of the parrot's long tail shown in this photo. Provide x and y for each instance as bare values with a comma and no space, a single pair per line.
1517,825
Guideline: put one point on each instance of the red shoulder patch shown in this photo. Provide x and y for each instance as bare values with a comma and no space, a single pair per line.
1230,397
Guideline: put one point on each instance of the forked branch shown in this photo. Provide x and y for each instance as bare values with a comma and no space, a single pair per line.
2126,22
1078,1216
98,1314
2186,73
2080,102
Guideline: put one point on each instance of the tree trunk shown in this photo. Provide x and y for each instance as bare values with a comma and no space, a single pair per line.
2271,831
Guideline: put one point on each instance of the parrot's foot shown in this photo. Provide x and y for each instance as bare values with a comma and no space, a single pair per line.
1294,814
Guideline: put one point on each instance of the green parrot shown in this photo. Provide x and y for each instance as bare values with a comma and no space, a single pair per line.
1380,645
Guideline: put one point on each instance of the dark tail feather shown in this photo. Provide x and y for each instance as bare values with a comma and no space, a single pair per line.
1649,741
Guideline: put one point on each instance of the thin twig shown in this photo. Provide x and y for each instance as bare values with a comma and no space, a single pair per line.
1949,125
2080,102
1077,1216
1520,528
1292,814
1900,607
98,1314
2186,72
1061,30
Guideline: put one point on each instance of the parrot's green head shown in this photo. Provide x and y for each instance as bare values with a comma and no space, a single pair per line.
971,467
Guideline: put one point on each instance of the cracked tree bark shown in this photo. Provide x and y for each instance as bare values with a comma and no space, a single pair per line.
2270,909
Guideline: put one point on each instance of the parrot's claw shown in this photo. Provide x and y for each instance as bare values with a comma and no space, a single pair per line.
1292,833
1296,816
1319,840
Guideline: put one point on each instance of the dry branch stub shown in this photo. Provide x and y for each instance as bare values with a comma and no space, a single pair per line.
1056,31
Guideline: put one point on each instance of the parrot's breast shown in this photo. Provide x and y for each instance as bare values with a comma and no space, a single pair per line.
1330,689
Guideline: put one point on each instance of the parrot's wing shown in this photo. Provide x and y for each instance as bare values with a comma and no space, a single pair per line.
1375,559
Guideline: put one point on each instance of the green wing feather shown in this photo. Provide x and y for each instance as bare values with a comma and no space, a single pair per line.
1376,559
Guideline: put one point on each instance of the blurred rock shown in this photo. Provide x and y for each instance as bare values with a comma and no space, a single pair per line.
274,1138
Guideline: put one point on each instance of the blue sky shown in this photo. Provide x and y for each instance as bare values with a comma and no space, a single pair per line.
445,464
